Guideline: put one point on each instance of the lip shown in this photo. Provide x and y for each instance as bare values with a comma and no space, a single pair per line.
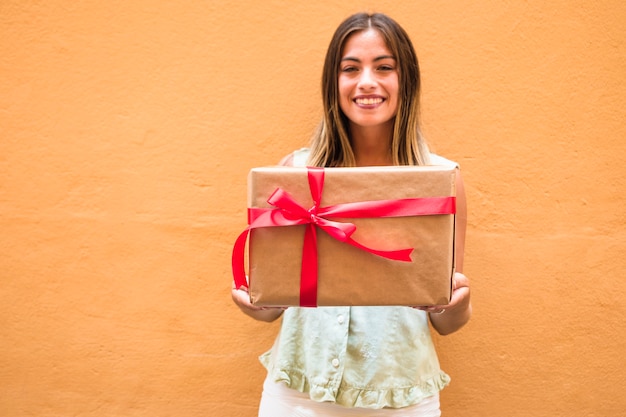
369,101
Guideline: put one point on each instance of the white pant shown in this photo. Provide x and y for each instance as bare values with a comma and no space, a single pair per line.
280,401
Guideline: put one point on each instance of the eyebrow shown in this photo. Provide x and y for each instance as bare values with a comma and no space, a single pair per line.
378,58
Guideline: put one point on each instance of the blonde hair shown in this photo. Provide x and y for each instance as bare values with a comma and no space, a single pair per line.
330,145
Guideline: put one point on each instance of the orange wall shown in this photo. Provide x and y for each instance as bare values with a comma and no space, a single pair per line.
127,130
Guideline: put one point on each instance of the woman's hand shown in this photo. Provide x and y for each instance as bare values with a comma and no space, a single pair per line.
450,318
241,298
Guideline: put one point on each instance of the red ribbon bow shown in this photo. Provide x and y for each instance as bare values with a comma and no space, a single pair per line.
288,212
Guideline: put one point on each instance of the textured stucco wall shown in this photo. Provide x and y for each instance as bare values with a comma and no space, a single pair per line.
127,130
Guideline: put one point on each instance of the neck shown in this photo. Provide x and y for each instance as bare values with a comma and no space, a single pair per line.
372,146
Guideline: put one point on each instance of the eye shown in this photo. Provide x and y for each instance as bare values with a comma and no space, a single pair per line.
385,68
349,68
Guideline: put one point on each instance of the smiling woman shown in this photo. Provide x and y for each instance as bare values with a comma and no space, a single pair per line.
361,360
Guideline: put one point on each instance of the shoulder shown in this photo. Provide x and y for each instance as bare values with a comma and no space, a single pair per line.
440,160
296,158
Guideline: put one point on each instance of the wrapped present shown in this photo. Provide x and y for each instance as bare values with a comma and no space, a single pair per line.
348,236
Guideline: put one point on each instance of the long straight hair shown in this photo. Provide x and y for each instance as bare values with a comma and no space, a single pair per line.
331,145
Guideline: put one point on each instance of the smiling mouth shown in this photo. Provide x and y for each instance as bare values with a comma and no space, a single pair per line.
368,101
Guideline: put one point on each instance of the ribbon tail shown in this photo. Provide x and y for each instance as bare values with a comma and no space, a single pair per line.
308,273
403,255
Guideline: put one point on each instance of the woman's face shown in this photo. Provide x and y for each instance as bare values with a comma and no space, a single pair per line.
368,81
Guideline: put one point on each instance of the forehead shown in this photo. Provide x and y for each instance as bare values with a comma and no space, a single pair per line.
365,42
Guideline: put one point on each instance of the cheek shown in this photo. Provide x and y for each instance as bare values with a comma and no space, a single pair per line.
344,93
395,92
342,86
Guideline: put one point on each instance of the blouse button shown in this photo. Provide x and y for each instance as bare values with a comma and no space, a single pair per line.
335,362
340,319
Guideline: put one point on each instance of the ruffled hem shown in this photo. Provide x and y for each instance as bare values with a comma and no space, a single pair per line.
361,397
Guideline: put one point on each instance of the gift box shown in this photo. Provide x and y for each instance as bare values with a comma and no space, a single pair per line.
348,236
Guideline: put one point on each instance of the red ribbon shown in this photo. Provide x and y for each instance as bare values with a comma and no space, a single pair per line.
288,212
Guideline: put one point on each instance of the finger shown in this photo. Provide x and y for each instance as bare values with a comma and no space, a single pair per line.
242,299
460,280
430,309
457,297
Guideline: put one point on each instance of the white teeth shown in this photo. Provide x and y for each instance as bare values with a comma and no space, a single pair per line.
369,101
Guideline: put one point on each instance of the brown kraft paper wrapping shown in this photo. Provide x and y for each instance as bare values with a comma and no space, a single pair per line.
348,276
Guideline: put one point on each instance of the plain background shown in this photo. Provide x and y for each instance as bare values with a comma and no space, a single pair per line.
127,131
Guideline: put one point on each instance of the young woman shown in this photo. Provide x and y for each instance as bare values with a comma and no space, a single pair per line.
364,361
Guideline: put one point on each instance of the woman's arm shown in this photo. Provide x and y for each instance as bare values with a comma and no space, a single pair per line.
450,318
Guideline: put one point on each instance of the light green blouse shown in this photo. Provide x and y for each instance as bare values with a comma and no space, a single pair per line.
369,357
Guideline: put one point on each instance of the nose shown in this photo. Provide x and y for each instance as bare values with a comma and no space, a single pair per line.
367,80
